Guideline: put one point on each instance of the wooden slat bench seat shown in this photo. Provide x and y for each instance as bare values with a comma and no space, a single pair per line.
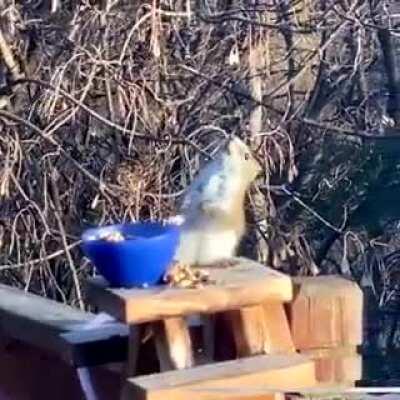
225,380
59,328
78,338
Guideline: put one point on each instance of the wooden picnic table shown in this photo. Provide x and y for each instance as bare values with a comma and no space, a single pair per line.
250,295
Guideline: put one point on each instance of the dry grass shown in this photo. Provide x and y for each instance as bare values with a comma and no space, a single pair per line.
114,105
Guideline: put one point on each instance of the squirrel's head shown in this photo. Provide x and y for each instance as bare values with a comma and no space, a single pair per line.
242,157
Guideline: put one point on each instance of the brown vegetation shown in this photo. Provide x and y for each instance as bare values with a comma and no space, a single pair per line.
108,108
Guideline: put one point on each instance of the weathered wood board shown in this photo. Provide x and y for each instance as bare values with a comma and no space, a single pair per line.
336,365
173,344
247,283
225,380
57,327
327,311
261,329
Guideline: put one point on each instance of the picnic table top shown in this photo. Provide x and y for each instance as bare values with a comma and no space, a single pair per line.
243,284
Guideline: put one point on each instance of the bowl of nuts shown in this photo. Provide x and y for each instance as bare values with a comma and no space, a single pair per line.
131,255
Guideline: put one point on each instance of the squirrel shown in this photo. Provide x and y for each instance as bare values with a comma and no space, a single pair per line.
213,208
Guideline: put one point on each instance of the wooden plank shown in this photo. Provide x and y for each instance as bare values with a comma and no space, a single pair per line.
37,320
57,327
327,311
16,302
279,333
95,346
173,344
246,283
336,365
261,329
210,381
249,330
224,394
346,369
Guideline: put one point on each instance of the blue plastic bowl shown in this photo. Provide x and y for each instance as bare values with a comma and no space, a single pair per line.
140,261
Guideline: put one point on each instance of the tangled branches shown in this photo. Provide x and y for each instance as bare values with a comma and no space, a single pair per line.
108,109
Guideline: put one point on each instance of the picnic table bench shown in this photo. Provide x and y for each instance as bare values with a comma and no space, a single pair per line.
250,296
74,336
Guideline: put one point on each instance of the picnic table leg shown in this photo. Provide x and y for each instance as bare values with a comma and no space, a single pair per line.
280,335
173,344
133,349
261,329
87,384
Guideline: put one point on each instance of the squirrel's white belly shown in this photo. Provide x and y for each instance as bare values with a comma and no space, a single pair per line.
206,247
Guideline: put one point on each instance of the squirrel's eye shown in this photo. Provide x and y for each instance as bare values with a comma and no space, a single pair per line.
246,156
